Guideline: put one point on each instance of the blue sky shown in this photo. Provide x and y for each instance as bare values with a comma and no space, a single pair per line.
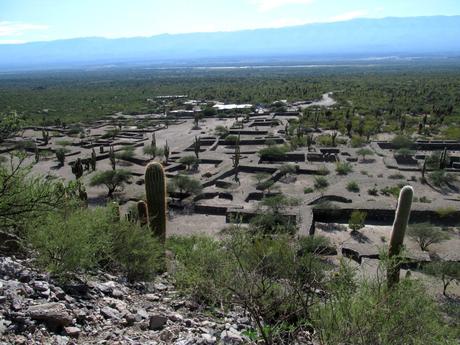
41,20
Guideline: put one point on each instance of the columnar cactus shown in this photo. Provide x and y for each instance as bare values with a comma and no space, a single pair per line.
46,136
196,147
155,190
397,234
37,154
334,137
112,157
93,160
77,169
142,213
236,158
153,143
424,171
443,159
166,151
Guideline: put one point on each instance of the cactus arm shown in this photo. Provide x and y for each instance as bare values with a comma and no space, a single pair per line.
399,229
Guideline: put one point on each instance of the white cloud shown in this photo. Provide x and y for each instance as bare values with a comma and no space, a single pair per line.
12,41
8,29
348,16
268,5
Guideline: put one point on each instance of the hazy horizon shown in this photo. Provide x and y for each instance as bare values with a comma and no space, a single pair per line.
25,21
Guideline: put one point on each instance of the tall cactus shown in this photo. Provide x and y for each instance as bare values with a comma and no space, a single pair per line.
77,168
196,147
155,190
397,234
46,136
424,171
443,159
166,151
236,159
142,213
37,154
153,143
93,160
112,158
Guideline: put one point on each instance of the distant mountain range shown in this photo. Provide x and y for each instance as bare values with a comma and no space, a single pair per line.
358,38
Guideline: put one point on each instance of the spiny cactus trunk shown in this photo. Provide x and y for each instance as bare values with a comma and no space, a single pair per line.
93,160
424,171
142,213
397,234
155,190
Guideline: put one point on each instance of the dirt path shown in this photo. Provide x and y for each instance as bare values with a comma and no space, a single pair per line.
325,101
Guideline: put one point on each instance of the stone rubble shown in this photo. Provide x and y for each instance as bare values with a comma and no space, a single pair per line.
36,310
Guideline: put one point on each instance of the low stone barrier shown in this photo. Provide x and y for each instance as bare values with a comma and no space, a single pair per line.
384,216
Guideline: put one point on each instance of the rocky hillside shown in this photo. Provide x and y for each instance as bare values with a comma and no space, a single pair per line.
34,309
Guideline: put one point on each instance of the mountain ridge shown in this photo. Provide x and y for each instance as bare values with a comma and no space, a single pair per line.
357,38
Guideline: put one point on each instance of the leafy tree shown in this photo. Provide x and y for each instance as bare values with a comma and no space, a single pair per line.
10,124
260,176
112,179
188,160
426,234
184,184
447,271
24,196
357,219
363,152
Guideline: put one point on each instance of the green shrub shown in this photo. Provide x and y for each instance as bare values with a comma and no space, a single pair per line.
323,170
357,219
373,191
394,191
125,153
271,278
424,199
343,168
203,268
324,140
440,178
308,190
78,242
402,142
396,176
445,212
221,131
273,152
136,251
357,141
321,183
314,244
363,152
370,314
83,240
353,186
